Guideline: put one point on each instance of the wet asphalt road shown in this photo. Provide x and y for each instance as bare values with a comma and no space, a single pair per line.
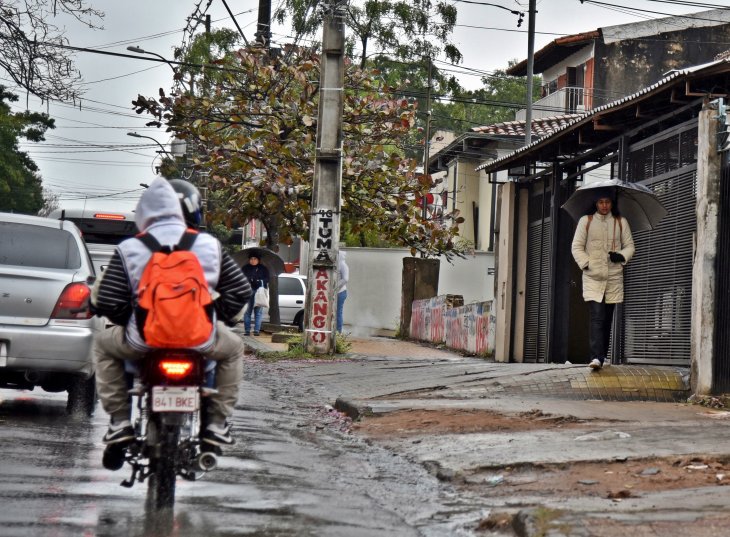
294,471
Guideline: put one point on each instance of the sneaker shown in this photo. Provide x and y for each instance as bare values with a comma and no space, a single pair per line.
256,333
218,435
595,364
247,333
118,433
113,458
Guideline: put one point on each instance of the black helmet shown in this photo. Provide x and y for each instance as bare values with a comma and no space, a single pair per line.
190,201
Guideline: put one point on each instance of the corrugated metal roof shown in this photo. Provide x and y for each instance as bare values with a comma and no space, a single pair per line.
586,117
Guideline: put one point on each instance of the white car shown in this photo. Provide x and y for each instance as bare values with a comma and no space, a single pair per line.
292,290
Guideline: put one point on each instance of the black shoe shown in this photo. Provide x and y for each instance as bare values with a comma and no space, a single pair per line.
256,333
218,435
121,433
247,333
113,458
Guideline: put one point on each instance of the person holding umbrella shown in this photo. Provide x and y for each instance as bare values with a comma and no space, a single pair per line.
602,246
258,276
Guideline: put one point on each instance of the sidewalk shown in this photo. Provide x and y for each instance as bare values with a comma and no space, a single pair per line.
610,449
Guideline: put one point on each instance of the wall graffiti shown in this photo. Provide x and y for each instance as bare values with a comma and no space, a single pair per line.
468,328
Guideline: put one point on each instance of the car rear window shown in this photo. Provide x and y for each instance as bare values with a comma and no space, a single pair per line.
290,286
38,246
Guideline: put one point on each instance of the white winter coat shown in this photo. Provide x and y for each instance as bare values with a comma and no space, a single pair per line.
601,277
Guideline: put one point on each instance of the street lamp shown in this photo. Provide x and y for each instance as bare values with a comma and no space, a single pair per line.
177,76
136,135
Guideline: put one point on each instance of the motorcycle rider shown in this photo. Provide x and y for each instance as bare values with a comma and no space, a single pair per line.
166,210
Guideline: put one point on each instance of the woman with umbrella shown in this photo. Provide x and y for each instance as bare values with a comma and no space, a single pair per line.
602,246
258,276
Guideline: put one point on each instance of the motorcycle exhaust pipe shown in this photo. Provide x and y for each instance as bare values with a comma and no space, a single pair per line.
206,461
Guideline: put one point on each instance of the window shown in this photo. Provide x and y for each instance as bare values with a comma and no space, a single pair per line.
38,246
290,286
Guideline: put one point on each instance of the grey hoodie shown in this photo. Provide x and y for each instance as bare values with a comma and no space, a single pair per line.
159,214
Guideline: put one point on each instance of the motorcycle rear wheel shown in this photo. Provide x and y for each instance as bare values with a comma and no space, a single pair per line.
161,486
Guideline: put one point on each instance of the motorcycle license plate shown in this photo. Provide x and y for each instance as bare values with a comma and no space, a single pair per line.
175,398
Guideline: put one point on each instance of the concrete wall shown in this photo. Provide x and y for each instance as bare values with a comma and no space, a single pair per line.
374,290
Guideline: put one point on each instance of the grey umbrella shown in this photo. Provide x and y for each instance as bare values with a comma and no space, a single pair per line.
635,202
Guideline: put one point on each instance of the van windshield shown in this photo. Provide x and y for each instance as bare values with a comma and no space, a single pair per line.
38,246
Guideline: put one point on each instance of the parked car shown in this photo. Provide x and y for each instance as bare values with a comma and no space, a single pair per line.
46,327
292,290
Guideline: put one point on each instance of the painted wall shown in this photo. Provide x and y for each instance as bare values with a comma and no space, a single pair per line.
374,289
468,328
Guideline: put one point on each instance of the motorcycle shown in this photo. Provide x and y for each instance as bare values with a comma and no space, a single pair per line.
170,387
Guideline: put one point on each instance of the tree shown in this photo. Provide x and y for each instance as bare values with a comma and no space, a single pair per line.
255,132
405,30
31,47
499,99
20,186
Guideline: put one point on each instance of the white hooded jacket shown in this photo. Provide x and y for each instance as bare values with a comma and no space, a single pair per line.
591,244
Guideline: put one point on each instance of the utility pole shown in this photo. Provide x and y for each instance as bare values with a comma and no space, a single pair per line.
424,200
530,67
324,228
263,28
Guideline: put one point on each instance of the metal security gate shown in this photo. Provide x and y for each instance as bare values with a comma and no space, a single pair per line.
721,364
658,281
538,272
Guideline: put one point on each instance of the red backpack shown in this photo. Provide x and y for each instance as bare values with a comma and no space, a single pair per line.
174,307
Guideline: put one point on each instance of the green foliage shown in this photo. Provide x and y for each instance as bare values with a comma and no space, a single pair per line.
255,132
20,186
499,99
296,350
405,30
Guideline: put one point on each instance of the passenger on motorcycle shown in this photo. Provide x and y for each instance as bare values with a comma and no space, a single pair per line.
166,210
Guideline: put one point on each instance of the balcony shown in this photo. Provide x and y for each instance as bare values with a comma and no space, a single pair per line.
563,101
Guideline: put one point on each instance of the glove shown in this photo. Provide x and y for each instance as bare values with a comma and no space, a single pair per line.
616,257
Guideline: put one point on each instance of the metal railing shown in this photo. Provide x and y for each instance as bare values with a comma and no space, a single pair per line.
563,101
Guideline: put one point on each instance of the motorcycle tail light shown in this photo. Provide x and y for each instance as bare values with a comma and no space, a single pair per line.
73,302
175,369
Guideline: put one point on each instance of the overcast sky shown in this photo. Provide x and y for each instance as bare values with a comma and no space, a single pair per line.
89,159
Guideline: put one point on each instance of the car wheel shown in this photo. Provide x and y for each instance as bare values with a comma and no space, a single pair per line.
82,396
299,321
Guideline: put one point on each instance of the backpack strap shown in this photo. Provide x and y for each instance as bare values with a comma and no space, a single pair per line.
150,242
186,241
620,225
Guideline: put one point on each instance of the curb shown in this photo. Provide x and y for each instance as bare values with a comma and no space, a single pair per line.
352,410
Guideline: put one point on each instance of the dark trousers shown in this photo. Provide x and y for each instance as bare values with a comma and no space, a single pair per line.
600,335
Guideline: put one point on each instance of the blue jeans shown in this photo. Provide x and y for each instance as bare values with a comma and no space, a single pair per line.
258,313
341,296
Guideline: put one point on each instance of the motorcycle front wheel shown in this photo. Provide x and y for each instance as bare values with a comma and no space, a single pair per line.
163,464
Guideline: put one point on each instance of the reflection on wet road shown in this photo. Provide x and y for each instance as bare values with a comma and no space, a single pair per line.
292,472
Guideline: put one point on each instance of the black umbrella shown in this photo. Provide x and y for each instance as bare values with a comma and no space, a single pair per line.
635,202
268,258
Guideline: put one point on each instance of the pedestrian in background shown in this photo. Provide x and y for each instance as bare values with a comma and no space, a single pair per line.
343,274
602,246
258,276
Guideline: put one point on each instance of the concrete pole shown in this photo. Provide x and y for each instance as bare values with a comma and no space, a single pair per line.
324,229
704,266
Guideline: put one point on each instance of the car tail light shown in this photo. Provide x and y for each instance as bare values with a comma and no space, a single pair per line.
175,369
73,302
